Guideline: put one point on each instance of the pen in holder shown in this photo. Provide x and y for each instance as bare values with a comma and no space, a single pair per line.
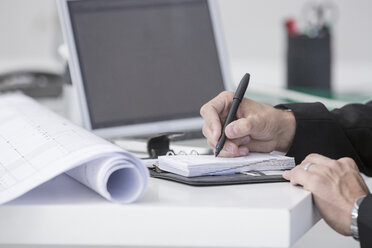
309,63
309,52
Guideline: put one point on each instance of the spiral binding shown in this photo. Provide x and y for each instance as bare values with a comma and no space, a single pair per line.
172,153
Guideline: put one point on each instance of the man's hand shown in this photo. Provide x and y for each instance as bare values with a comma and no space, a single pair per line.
335,185
258,128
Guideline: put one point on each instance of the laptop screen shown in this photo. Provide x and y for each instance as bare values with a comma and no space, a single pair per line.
145,61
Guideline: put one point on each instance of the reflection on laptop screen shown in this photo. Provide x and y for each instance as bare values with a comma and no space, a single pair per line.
145,61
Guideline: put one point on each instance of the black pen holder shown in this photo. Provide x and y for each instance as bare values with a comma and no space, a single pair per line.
309,63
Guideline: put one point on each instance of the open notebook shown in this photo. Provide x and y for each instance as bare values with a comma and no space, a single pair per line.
37,145
205,165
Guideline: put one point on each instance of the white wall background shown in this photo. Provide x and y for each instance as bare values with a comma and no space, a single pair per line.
255,29
255,38
254,34
28,29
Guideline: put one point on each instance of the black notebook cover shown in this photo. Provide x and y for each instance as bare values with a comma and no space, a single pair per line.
218,180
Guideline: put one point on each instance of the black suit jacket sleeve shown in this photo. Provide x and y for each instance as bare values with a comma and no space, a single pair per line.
344,132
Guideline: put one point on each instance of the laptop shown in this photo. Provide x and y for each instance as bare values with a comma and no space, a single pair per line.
143,67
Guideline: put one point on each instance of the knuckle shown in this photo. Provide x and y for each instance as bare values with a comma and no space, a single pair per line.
205,130
202,110
334,164
344,160
327,169
305,161
310,156
225,94
348,161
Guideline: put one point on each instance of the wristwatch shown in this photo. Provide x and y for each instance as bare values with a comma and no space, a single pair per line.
354,218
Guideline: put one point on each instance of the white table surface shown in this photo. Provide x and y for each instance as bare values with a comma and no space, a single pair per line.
63,211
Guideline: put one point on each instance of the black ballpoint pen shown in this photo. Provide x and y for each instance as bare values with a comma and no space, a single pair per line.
239,94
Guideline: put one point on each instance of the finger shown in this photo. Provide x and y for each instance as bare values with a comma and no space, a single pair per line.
237,147
326,167
224,153
210,135
243,140
305,178
298,176
211,144
213,112
241,151
239,128
231,148
287,175
220,104
212,126
317,159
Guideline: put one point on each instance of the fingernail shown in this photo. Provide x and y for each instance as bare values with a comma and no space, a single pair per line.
229,148
243,152
234,129
245,140
231,131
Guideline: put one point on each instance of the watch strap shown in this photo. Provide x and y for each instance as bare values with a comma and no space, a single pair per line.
354,218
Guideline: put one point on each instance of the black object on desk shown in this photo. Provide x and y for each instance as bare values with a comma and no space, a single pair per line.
238,178
309,51
158,145
309,62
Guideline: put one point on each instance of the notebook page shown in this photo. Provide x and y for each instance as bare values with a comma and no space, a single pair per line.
36,145
197,165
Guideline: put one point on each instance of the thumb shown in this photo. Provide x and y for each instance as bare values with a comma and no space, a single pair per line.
239,128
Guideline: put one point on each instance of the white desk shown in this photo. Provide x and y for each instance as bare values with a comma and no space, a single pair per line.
63,211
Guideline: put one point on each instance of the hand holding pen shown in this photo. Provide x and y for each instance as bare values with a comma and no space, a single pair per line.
255,127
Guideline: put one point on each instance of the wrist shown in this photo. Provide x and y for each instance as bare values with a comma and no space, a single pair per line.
354,217
287,130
